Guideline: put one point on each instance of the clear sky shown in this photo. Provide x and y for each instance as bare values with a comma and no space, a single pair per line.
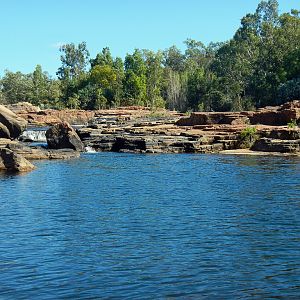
33,30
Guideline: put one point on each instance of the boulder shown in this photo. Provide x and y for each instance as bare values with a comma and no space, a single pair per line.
62,135
14,124
4,132
13,162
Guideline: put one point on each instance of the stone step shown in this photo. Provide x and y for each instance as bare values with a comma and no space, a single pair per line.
275,145
229,144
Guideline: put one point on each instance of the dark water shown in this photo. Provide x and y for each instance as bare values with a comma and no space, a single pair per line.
117,226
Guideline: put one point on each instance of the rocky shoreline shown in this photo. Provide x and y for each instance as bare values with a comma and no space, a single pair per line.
268,131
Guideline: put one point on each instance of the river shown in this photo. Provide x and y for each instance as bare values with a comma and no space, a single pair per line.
124,226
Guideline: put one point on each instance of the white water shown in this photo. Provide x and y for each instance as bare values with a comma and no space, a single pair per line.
89,149
34,135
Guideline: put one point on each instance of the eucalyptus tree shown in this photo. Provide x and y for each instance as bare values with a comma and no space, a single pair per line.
40,86
107,75
134,85
154,78
72,72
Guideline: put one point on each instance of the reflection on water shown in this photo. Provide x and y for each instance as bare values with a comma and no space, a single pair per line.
152,226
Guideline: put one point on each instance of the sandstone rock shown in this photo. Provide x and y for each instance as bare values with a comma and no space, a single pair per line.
290,105
269,117
15,124
13,162
282,133
208,118
23,107
276,116
38,153
275,145
62,136
52,116
62,154
129,143
4,132
5,142
273,116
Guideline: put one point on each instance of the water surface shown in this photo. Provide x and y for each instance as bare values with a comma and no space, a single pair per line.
121,226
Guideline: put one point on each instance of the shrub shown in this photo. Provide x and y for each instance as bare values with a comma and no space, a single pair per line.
292,124
289,91
247,137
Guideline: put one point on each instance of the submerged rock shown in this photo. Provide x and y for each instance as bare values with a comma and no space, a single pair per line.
14,124
62,135
14,162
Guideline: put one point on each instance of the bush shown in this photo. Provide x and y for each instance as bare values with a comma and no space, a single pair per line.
292,124
289,91
247,137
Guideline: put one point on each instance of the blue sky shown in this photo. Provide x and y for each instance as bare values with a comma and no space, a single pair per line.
32,30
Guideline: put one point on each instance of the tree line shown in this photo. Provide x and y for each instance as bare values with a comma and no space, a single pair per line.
259,66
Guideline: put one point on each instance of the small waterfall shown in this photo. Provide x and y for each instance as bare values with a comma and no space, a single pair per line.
34,136
89,149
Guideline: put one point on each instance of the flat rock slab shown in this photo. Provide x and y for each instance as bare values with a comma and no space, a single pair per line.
38,153
256,153
13,162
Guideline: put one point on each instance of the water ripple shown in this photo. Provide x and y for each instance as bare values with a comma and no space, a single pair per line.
121,226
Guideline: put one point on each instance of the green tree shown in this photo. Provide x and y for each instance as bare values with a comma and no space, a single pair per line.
174,59
105,79
135,88
16,87
74,61
118,66
103,59
72,73
40,83
154,78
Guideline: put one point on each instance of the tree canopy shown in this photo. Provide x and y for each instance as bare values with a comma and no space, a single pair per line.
259,66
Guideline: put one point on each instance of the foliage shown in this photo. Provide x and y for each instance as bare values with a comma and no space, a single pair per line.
247,137
259,66
292,124
289,90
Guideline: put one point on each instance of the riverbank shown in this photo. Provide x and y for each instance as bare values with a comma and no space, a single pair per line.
268,131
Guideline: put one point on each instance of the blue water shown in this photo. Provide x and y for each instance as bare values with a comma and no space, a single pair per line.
121,226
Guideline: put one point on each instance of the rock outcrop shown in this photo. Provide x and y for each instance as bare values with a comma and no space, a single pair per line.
11,124
4,132
52,116
23,108
13,162
204,132
276,145
61,136
272,116
209,118
271,129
